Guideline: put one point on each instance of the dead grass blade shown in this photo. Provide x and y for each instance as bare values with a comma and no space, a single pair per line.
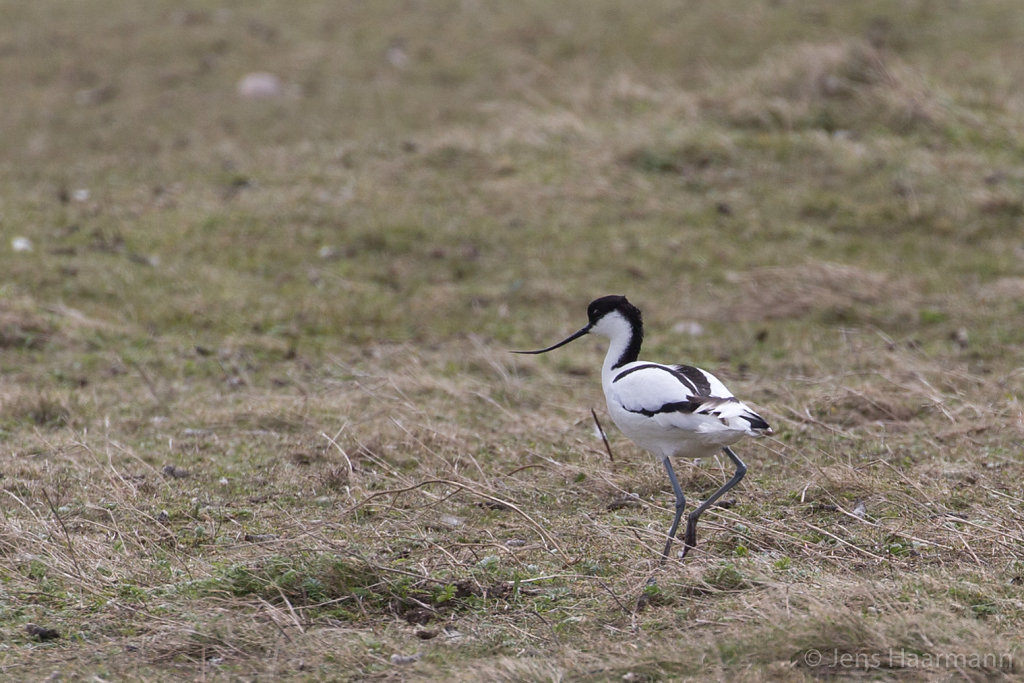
460,486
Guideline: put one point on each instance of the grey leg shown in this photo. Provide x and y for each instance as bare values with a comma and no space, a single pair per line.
680,504
690,539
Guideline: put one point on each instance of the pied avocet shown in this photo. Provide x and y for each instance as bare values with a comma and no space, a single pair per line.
669,410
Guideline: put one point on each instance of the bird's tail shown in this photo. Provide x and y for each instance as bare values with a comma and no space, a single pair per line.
740,416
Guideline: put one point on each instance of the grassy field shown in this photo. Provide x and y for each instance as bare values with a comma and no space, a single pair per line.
258,418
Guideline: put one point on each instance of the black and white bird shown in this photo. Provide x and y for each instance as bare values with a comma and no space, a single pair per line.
669,410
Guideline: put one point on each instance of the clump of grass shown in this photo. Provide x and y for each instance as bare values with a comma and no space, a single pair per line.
846,85
300,580
823,288
21,328
694,155
46,411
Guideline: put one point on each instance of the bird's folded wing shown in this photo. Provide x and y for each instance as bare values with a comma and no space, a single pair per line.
676,395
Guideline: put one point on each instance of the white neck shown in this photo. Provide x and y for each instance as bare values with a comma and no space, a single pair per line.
620,334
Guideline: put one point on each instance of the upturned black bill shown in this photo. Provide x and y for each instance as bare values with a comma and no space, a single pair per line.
565,341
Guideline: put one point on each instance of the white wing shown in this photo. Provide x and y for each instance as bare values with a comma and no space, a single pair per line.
683,397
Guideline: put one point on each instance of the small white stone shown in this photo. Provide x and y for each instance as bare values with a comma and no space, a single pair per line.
690,327
21,244
397,56
259,84
82,194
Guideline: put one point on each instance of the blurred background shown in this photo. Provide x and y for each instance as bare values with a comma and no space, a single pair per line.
345,173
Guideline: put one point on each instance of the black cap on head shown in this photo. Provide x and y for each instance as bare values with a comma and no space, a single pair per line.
599,308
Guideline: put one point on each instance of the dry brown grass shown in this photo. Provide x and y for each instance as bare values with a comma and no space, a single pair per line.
846,85
823,288
508,526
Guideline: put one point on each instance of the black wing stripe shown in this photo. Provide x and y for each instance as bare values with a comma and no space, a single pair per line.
756,421
691,406
692,378
673,407
696,377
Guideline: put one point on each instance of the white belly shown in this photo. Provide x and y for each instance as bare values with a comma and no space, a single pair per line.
688,436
